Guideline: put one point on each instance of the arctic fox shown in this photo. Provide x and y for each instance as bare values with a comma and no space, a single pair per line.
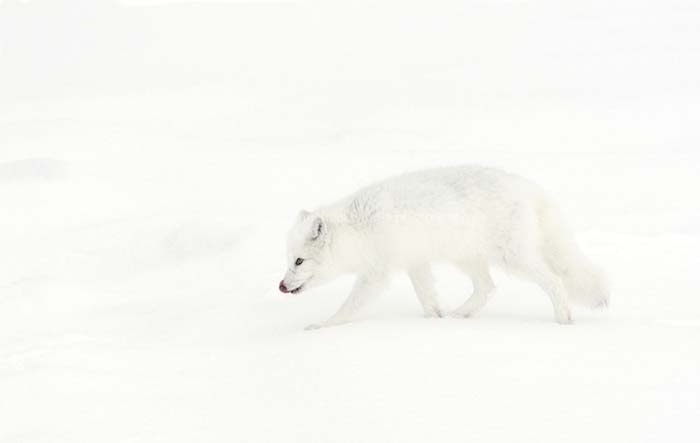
471,216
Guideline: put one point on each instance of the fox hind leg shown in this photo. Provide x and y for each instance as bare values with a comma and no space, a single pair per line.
483,287
543,275
424,285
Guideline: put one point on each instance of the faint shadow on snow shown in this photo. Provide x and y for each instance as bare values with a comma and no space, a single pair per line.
141,245
32,169
193,240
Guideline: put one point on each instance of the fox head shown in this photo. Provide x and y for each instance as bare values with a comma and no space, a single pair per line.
307,254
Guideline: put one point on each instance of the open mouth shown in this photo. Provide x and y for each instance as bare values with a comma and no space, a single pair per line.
284,290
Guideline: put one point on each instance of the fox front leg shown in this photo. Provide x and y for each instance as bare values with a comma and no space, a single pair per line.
365,288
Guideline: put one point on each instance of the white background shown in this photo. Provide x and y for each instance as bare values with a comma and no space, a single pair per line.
153,155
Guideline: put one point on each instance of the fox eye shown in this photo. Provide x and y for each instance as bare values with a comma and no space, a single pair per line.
299,261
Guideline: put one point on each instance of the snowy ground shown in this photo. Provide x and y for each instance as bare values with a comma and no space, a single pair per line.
153,157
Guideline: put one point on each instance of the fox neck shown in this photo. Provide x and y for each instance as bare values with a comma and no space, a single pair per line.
344,245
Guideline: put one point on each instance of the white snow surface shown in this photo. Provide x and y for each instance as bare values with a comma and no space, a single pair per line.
154,154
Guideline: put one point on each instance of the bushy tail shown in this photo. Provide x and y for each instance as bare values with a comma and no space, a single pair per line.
585,282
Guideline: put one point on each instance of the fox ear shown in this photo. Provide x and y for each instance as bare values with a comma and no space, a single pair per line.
317,228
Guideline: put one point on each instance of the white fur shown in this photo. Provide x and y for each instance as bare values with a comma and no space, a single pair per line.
471,216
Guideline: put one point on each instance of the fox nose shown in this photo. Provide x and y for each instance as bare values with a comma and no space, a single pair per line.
283,287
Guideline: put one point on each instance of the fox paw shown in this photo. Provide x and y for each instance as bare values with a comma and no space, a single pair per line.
564,318
458,313
313,326
432,313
